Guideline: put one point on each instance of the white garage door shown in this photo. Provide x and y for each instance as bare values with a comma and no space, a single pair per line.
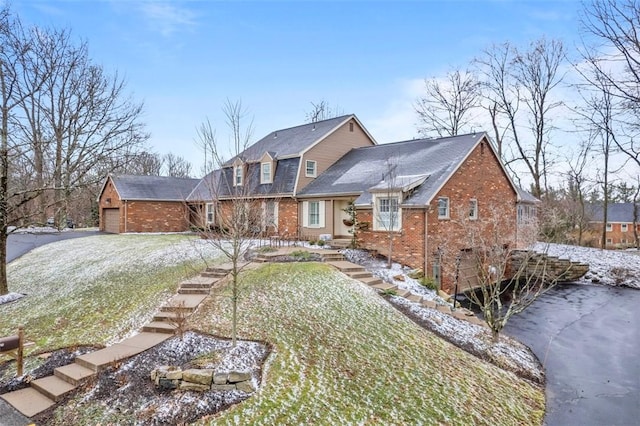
111,218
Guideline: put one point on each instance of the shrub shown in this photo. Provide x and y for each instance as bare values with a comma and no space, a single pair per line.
429,283
266,249
321,243
389,292
301,255
312,242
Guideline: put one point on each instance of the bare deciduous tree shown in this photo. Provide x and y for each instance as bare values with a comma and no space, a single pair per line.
513,79
236,213
447,104
176,166
322,111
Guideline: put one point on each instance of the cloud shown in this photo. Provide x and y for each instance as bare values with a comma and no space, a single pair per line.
168,18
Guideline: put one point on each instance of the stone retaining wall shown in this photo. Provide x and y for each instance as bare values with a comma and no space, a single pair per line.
170,377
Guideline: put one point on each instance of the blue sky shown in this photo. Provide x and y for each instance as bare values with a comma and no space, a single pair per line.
183,59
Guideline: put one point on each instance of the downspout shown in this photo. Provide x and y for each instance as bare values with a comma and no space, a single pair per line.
125,216
426,244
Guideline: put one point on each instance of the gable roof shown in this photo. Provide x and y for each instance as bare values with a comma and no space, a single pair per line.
292,142
426,164
152,188
616,212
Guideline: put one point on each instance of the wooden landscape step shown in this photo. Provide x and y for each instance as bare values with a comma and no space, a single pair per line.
52,387
385,287
99,360
359,274
73,373
28,401
183,302
199,281
403,292
160,327
428,303
345,266
414,298
194,290
167,316
371,281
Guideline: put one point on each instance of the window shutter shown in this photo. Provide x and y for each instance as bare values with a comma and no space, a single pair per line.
321,208
305,214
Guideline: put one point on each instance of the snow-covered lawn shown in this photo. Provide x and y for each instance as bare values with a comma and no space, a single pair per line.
343,355
609,267
97,289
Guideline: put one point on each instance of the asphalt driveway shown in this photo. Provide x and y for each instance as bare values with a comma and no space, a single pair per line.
21,243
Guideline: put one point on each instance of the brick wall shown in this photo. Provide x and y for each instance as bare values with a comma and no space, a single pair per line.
288,217
480,177
109,199
156,216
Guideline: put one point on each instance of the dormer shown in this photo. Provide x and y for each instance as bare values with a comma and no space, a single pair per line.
238,172
267,168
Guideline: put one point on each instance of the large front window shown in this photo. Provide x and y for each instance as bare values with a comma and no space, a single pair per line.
388,214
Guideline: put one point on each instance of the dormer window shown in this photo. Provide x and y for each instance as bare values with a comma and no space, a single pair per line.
265,172
237,176
311,168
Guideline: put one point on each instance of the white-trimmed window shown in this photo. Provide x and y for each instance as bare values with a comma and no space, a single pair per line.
443,208
313,214
609,241
609,227
270,216
265,172
310,168
473,209
210,210
387,217
237,176
624,227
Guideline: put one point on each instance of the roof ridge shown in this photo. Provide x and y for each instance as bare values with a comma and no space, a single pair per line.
311,123
422,140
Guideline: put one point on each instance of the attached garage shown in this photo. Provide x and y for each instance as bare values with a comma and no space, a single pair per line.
145,204
111,218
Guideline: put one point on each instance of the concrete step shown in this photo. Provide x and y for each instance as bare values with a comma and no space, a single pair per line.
28,401
52,387
214,274
194,291
160,327
185,302
99,360
195,285
73,373
168,316
198,280
372,281
414,298
385,287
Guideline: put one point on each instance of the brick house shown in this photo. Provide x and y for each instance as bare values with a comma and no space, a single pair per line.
273,170
421,193
144,203
622,219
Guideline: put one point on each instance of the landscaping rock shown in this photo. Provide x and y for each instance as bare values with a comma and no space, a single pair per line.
238,376
193,386
166,384
245,386
220,378
203,377
399,277
223,387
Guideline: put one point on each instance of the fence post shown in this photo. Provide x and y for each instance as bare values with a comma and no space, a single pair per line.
20,357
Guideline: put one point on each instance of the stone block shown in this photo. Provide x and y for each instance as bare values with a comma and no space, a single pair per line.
203,377
174,375
188,386
444,308
245,386
238,376
167,384
221,388
220,378
429,304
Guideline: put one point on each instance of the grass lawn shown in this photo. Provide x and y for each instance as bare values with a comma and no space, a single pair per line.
96,289
342,355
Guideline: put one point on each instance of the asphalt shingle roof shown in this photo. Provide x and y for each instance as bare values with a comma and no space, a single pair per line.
363,169
290,142
616,212
153,188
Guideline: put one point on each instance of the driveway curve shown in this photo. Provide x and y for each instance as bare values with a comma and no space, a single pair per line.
20,243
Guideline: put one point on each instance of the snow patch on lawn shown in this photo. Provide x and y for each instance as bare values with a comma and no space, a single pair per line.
10,297
609,267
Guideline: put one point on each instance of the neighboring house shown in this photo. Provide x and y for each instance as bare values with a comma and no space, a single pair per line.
527,219
144,203
622,219
275,169
422,192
